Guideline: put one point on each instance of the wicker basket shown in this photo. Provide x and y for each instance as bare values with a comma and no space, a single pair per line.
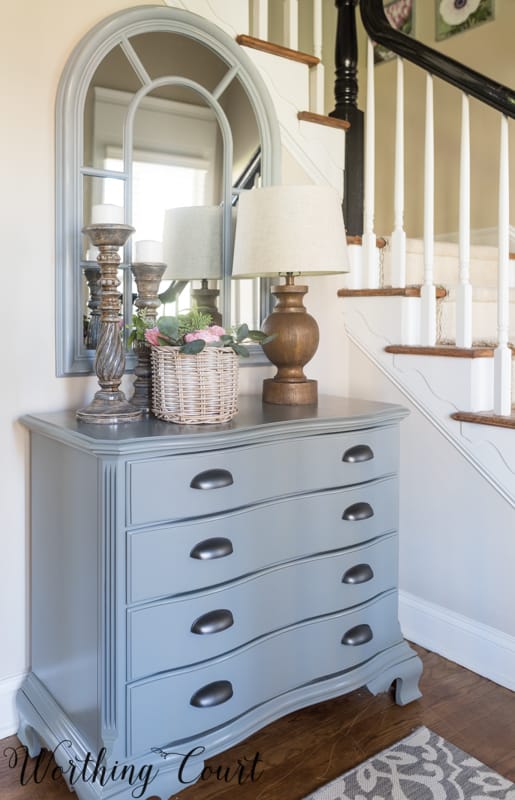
195,389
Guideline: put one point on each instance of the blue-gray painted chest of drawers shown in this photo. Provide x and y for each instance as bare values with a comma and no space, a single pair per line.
192,584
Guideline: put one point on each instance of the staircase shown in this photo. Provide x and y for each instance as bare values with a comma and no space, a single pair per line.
425,313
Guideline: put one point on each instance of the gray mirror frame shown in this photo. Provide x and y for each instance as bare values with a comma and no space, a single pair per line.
72,358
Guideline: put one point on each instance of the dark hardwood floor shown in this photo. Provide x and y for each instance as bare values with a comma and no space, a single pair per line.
308,748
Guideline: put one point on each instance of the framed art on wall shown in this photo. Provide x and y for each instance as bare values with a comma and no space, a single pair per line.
455,16
400,17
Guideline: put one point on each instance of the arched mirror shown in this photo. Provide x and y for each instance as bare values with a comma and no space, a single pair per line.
158,109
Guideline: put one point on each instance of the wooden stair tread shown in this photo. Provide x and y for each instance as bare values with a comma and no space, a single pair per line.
380,242
389,291
277,50
486,418
448,350
322,119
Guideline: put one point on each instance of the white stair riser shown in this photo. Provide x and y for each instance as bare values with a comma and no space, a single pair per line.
484,320
483,265
464,384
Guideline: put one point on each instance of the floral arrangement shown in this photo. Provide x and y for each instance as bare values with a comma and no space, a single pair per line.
192,332
454,16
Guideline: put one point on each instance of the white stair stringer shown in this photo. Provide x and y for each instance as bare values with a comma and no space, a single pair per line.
318,149
437,386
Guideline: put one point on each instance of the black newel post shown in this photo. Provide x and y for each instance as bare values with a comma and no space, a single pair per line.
346,107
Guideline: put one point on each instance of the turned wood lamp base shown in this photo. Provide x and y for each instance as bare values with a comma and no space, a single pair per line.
295,343
283,393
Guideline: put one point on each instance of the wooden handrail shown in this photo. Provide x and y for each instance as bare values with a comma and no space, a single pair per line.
468,80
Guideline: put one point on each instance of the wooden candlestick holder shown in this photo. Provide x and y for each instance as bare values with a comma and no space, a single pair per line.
109,406
148,277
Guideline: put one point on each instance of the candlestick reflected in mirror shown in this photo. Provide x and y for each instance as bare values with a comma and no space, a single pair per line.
109,405
92,323
147,275
289,231
192,250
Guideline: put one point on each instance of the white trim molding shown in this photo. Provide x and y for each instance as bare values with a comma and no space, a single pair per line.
8,714
478,647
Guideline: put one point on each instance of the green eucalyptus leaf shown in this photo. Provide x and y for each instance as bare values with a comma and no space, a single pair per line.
169,327
240,349
242,332
191,348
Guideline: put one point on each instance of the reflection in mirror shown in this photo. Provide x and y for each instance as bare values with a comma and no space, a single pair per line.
192,251
168,120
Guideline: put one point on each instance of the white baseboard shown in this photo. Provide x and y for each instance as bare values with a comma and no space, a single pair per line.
8,714
480,648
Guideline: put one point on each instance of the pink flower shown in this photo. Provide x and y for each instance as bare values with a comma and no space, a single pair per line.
217,329
398,13
207,334
152,336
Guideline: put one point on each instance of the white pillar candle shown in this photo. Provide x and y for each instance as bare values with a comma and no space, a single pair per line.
106,213
148,251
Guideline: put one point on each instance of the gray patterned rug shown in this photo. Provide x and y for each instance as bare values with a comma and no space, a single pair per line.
423,766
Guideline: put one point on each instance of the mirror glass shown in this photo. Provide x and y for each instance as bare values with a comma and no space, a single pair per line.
167,122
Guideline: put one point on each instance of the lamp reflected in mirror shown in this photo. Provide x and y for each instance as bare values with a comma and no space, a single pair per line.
192,250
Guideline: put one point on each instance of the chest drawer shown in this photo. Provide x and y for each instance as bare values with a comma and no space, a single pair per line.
182,486
191,702
188,556
172,634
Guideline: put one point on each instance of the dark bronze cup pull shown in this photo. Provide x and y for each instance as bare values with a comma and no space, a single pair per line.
217,547
212,479
357,512
360,573
214,694
360,634
213,622
360,452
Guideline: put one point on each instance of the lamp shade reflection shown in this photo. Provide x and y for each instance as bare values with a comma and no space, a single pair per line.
192,243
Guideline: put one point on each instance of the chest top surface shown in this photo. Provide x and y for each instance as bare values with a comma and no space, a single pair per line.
255,421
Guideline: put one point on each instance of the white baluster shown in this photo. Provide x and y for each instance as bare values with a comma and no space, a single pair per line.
464,289
399,234
316,74
428,293
370,251
260,19
317,28
291,23
502,354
